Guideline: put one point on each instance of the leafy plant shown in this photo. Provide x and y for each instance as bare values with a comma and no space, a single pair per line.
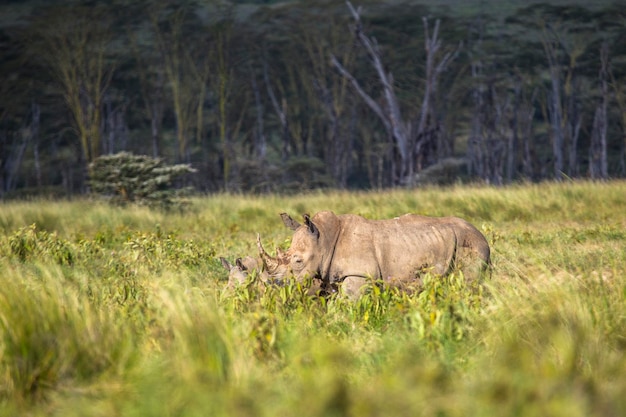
30,242
139,323
126,178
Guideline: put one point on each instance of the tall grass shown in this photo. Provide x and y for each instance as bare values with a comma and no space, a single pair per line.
109,311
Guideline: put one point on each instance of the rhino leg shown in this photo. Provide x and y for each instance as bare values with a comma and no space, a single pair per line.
316,288
473,262
475,270
353,287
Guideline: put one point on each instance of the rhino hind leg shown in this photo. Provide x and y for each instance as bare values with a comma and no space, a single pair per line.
472,264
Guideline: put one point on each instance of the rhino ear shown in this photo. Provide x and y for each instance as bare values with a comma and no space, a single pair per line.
226,264
240,264
312,227
289,222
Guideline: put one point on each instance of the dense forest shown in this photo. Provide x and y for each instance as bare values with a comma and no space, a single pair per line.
262,96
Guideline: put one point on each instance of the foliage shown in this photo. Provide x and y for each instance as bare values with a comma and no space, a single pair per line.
107,310
126,178
296,175
246,93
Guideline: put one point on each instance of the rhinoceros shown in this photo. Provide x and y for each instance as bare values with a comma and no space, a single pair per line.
238,273
350,249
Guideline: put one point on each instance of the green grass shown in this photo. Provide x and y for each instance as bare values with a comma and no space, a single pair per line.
123,311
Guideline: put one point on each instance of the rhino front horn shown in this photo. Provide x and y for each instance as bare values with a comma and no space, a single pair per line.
271,263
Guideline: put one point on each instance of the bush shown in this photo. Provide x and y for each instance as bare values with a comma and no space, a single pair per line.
127,178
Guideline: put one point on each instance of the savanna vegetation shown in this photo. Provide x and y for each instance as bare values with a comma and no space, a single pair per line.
267,96
122,311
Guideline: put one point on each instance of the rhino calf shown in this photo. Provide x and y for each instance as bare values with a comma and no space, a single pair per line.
239,272
349,249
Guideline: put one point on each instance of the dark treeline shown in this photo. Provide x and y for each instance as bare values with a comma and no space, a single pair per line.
310,94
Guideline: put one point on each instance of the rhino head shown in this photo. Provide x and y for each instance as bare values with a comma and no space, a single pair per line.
239,272
277,267
236,273
311,248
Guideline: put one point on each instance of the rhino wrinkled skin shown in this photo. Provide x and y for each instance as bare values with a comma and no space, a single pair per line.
349,249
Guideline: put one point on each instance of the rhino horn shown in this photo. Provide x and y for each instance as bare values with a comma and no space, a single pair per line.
289,222
312,227
271,263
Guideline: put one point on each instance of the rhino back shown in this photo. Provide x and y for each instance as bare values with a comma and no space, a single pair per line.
399,248
471,249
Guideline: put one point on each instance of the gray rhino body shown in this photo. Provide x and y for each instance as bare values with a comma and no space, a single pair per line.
350,249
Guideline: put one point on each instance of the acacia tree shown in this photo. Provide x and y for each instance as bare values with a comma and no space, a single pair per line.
501,127
291,96
337,121
74,42
13,147
169,40
619,92
409,137
523,131
564,46
187,49
17,124
565,34
598,166
563,110
151,74
229,112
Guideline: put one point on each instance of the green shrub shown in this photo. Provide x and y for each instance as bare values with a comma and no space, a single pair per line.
127,178
29,242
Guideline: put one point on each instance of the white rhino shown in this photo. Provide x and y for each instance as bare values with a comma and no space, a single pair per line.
238,273
349,249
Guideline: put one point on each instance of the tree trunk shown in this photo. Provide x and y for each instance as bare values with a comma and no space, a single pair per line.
620,98
513,143
260,143
604,58
598,165
555,110
281,112
526,131
428,132
409,141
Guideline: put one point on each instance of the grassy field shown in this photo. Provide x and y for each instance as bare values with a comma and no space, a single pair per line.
122,311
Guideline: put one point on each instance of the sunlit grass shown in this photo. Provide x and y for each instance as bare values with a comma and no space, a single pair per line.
123,311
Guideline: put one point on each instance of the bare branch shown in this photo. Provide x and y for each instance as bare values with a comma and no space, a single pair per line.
270,92
368,100
392,118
